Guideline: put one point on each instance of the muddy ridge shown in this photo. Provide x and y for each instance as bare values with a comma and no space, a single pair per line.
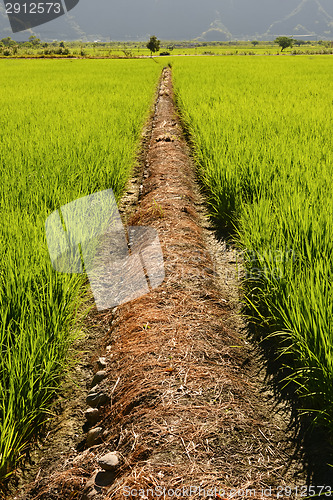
187,404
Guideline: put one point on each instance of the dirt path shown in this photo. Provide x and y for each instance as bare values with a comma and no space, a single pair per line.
188,406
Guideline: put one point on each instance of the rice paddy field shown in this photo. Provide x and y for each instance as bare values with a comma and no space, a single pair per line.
68,129
261,130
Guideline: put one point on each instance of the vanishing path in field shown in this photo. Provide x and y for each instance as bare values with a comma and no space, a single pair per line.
186,402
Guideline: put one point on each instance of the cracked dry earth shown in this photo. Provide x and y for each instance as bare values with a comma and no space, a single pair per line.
188,406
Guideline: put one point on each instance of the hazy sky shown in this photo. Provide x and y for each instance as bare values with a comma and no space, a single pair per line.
186,19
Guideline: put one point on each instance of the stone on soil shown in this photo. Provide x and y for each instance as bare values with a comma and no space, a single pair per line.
92,415
97,399
109,461
94,436
94,390
102,363
99,376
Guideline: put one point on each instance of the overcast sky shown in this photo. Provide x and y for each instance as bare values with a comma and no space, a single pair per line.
187,19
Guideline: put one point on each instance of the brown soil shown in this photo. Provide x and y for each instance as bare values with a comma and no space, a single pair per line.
188,403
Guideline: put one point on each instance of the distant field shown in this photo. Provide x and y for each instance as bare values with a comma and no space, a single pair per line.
139,49
68,129
262,133
226,49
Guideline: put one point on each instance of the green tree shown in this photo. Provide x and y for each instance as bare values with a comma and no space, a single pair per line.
284,42
299,42
255,42
8,42
34,41
153,45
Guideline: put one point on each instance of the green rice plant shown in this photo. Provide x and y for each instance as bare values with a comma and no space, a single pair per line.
261,129
68,129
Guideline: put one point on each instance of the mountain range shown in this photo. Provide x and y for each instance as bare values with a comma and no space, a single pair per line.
212,20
